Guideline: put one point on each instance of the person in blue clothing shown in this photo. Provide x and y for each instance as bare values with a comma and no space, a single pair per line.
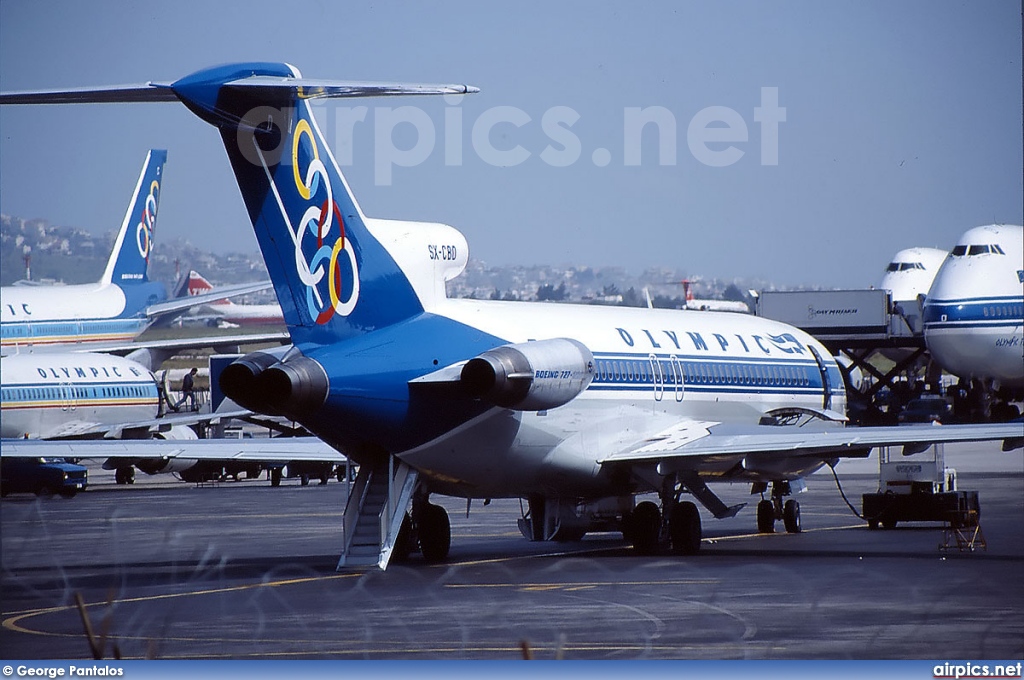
188,390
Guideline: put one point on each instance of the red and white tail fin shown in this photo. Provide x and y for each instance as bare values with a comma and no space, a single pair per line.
687,291
198,285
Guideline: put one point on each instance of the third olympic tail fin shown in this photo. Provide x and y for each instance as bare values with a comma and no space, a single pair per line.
129,261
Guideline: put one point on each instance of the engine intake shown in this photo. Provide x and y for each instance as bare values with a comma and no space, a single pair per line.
531,376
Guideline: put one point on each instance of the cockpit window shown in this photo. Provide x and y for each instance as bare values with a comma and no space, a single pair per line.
903,266
985,249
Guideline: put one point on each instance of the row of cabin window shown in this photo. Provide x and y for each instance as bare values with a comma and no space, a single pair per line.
700,373
52,393
63,329
1003,311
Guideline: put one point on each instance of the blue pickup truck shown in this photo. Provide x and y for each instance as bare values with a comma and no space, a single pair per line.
42,476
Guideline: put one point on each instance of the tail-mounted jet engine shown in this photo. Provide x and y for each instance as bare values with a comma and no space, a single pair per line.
263,383
530,376
238,379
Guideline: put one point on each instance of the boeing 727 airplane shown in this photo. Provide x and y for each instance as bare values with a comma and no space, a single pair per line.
110,310
577,409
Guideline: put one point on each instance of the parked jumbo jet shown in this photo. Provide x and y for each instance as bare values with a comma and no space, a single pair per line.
578,409
116,309
908,278
974,313
75,395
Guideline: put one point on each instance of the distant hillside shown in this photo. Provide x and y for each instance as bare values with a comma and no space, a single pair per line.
71,255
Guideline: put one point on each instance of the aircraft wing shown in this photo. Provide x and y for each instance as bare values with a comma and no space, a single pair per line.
276,449
189,301
216,342
689,444
153,425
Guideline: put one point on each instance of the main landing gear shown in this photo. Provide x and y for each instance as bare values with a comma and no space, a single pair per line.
681,534
677,529
427,528
770,511
124,475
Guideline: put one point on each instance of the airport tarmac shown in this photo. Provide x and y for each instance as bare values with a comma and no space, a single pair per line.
241,570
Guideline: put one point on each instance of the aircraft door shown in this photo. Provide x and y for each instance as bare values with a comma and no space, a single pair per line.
657,377
677,376
826,380
67,397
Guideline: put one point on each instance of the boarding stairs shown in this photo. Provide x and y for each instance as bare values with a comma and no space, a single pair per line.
377,504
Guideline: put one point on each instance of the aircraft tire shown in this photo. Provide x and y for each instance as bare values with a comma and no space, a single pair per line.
646,526
435,533
791,517
684,529
275,476
765,517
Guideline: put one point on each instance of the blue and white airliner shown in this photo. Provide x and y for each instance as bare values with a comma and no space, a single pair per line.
109,314
578,409
974,313
111,310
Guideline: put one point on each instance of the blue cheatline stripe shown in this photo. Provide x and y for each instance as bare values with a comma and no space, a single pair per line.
647,390
48,395
71,332
991,310
705,375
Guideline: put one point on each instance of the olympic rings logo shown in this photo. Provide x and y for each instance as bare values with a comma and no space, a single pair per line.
319,221
144,229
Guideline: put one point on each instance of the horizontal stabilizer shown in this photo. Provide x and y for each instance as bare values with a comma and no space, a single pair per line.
304,88
316,88
145,92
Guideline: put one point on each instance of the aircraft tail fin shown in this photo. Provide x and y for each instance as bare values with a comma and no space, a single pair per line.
129,260
198,285
333,278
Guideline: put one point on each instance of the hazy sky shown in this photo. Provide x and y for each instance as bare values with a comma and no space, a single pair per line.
902,124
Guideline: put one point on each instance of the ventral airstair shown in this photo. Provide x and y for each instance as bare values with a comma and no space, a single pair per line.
377,504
